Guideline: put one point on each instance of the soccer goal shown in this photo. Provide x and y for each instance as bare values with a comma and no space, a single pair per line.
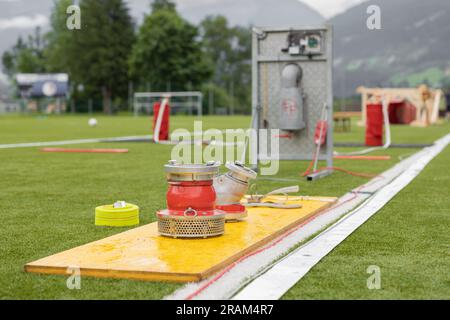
186,102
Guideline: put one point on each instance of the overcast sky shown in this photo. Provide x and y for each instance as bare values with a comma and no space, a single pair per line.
329,8
32,12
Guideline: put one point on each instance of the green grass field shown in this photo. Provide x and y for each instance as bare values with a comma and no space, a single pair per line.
48,199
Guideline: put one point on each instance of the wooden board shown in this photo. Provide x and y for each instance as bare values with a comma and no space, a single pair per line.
142,254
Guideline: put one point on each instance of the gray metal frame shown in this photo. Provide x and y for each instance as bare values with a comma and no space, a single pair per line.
267,62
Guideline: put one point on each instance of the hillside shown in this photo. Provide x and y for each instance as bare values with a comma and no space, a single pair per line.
253,12
412,47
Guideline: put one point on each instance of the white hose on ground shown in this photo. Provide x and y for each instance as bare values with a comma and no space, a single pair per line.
159,119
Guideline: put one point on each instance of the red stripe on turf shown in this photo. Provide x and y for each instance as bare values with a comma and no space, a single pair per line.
84,150
363,157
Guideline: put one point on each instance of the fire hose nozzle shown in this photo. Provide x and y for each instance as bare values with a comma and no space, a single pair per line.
231,187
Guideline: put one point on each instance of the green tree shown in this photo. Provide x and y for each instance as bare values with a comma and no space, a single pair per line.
102,47
167,51
96,55
60,51
230,49
25,57
242,67
163,5
216,37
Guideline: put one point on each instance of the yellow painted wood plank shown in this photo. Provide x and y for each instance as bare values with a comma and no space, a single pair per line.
142,254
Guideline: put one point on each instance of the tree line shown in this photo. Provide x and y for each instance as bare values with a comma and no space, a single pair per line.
165,53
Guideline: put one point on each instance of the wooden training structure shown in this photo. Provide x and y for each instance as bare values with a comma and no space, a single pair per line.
426,101
141,254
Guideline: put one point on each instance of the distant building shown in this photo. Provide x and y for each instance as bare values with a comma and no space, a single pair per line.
34,85
43,91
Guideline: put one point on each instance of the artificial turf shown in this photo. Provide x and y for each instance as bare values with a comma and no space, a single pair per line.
408,239
48,199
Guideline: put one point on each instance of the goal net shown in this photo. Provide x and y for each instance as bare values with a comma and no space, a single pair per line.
186,102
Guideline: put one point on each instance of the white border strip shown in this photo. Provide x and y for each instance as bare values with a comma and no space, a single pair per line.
286,273
67,142
244,272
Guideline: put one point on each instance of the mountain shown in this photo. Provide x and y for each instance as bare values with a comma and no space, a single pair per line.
262,13
240,12
412,47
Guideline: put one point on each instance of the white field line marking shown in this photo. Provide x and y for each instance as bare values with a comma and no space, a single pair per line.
242,273
229,283
67,142
287,272
96,140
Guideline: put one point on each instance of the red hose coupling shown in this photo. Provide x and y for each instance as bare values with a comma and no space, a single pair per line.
199,196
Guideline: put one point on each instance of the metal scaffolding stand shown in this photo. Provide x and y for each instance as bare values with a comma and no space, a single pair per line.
291,82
